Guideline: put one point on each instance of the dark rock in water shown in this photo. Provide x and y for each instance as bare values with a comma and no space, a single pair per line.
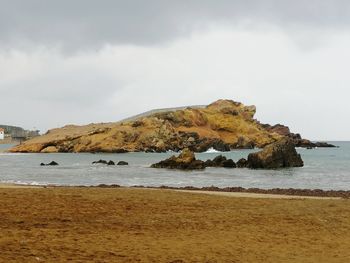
209,163
53,163
122,163
104,162
220,161
110,163
307,144
309,148
276,155
185,161
324,145
229,163
242,163
100,161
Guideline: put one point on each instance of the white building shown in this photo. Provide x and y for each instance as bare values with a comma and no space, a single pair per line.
2,134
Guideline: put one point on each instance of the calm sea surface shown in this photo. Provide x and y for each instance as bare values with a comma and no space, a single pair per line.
324,169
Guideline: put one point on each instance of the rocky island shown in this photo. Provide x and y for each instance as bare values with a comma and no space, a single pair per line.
222,125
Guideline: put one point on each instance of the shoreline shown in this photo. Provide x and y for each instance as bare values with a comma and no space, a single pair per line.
304,147
256,195
278,193
274,191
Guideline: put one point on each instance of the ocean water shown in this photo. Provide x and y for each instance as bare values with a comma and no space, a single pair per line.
325,168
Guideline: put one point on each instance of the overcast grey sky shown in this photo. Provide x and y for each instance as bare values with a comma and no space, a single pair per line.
81,61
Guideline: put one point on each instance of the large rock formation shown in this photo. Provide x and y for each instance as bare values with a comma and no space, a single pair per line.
276,155
222,125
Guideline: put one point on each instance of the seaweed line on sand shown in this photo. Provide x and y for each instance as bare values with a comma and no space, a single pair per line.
276,191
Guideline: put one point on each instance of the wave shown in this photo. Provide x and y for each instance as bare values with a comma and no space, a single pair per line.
12,154
212,150
16,182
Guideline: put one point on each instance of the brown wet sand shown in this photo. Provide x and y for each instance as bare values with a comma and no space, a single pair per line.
141,225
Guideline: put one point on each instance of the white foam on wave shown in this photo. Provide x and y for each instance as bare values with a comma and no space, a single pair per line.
33,183
212,150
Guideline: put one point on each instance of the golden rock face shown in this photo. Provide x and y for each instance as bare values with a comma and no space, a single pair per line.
223,124
50,149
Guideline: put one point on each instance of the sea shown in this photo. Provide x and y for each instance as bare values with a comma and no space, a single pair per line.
325,168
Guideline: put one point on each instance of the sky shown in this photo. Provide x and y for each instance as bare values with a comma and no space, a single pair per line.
83,61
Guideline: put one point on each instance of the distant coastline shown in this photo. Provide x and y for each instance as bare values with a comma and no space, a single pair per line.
9,140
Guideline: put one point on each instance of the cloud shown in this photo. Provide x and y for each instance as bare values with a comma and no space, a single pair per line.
88,61
90,24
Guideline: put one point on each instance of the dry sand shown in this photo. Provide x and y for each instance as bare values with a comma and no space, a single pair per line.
141,225
254,195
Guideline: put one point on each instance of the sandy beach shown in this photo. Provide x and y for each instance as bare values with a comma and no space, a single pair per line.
142,225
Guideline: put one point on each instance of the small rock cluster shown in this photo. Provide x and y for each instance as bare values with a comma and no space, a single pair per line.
110,162
280,154
187,161
220,161
53,163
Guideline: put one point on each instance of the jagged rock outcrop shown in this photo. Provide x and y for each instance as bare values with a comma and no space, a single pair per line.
280,154
222,125
296,138
185,161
